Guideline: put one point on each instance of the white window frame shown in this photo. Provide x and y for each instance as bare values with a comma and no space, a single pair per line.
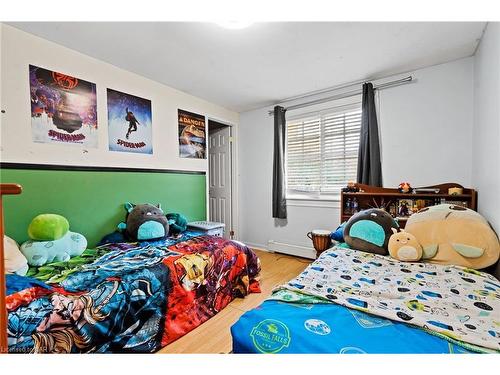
318,199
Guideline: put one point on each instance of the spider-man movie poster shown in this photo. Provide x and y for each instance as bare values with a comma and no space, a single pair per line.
192,140
129,123
63,108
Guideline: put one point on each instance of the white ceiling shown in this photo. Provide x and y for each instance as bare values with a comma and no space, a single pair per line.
266,62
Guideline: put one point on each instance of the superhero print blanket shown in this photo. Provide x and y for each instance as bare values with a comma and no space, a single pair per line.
458,305
128,297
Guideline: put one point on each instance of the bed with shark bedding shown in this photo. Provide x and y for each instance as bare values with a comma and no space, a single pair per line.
349,301
127,297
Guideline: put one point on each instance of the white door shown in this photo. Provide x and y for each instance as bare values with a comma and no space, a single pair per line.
219,164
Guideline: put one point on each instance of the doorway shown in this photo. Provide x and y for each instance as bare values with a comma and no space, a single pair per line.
220,175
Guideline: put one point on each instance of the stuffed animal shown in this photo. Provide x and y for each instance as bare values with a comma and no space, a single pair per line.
177,223
144,222
48,227
452,234
39,253
369,230
405,187
404,246
15,261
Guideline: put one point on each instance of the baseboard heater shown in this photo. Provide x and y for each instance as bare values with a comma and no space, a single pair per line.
285,248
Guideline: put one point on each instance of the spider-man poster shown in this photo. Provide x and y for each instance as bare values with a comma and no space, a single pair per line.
63,108
129,123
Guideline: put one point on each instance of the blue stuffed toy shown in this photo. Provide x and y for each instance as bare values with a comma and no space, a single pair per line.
39,253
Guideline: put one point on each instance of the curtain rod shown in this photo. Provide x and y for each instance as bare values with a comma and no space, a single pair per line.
348,94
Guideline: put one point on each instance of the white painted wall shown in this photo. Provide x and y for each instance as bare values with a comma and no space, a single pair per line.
426,131
486,135
426,127
19,49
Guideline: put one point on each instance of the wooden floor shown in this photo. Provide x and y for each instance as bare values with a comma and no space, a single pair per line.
214,335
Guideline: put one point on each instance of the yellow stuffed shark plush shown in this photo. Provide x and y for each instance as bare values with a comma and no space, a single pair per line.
451,234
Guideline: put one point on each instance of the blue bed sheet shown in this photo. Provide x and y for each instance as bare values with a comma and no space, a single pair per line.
281,327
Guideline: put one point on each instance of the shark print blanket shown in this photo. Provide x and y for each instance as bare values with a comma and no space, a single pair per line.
127,297
460,304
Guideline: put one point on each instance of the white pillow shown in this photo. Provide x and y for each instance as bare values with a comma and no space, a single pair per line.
15,261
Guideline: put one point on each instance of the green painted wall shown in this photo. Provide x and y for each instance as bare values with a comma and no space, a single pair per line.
93,201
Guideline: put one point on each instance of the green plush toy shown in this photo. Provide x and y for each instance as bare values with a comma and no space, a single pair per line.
48,227
177,223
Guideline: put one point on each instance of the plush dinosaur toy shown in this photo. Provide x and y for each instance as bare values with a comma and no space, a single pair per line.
52,241
177,223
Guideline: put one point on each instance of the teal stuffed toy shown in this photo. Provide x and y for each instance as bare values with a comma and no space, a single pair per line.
51,240
177,223
39,253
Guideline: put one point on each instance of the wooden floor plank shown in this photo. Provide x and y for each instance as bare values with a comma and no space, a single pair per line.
214,336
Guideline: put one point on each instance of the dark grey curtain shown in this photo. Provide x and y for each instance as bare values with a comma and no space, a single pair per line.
369,166
279,193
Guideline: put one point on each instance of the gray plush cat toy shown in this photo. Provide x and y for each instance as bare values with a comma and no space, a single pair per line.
144,222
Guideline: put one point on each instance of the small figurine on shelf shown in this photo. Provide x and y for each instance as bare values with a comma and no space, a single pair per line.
404,210
404,187
354,206
392,209
350,188
348,206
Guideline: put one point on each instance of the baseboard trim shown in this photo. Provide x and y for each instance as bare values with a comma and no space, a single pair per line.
295,250
257,246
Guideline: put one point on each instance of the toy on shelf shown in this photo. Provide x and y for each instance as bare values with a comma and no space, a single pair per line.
51,240
404,246
350,188
404,187
144,222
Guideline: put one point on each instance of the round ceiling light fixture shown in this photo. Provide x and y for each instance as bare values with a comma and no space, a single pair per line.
234,24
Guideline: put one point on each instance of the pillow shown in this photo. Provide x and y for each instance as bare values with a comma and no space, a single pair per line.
451,234
370,230
15,261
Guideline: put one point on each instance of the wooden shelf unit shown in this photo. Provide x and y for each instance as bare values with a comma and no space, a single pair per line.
372,196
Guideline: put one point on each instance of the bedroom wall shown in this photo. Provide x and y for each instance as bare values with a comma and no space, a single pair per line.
486,135
426,131
19,49
92,213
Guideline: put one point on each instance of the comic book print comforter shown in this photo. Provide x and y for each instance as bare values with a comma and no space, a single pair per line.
459,304
129,297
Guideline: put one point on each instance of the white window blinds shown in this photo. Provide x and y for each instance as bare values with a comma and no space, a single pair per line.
322,151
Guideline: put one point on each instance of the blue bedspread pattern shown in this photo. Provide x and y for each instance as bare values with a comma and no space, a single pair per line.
459,303
284,327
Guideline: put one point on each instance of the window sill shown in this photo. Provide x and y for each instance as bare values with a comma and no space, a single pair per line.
308,201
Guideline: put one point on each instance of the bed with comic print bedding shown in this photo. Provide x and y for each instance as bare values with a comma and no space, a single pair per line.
349,301
127,297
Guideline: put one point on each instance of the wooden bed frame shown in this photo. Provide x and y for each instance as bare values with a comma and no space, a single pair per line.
5,189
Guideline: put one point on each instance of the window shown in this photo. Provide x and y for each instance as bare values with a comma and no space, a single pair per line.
322,151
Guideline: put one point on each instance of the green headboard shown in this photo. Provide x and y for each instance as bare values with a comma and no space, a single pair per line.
92,199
